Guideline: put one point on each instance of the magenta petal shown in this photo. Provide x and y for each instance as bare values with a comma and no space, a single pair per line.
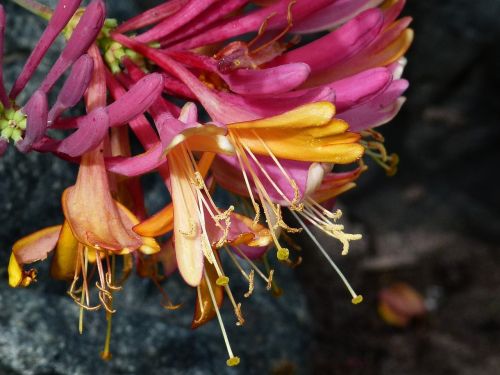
168,127
62,14
137,100
36,112
280,79
334,15
91,131
173,22
3,94
139,164
359,88
216,12
83,36
377,111
74,87
338,45
251,22
151,16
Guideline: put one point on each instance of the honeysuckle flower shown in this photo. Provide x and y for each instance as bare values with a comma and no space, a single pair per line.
281,113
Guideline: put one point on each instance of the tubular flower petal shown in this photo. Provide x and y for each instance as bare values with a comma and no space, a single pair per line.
74,87
83,36
92,214
61,16
307,133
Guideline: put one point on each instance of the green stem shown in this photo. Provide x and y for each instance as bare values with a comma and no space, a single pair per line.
35,7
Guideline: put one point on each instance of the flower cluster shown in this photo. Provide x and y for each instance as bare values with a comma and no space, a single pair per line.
265,117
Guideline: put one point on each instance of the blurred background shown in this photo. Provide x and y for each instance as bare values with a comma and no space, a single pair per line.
431,236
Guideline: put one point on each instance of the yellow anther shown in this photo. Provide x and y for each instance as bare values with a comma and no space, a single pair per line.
222,280
233,361
357,300
283,253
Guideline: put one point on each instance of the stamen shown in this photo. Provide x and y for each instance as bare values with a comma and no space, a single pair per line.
222,280
356,298
245,177
232,360
250,284
295,202
283,33
237,264
268,280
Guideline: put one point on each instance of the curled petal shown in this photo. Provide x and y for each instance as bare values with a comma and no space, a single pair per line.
91,131
388,47
359,88
338,45
139,164
62,14
307,133
377,111
83,36
135,101
157,225
30,249
74,87
280,79
36,111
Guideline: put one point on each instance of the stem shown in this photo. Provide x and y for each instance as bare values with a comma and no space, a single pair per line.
35,7
106,354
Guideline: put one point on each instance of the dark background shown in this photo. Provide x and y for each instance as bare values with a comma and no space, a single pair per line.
435,225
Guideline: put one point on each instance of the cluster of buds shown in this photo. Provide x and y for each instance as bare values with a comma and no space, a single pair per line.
278,116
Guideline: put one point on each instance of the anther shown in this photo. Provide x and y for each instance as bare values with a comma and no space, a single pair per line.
270,280
251,277
233,361
357,300
283,254
222,280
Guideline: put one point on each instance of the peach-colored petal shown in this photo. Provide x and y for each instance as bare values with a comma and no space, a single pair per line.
30,249
91,212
